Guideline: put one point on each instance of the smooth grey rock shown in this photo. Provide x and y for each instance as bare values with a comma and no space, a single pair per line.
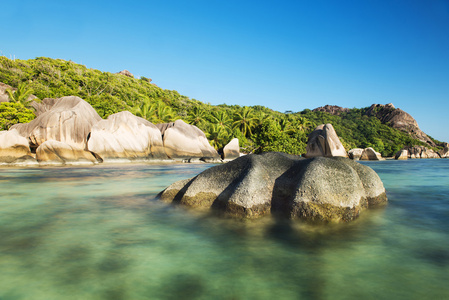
317,189
323,141
370,154
355,153
69,120
182,140
123,135
402,154
13,146
231,150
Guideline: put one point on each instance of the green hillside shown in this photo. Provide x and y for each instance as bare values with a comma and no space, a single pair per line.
258,128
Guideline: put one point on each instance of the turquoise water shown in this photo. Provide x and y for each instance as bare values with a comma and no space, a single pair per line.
98,233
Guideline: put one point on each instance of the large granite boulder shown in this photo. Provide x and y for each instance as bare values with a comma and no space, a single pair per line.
323,141
55,152
317,189
402,154
123,135
231,150
355,153
183,141
69,120
14,147
370,154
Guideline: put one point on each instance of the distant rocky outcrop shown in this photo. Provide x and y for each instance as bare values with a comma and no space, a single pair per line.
126,73
445,152
389,115
416,152
323,141
399,119
231,150
123,135
56,152
182,140
332,109
316,189
69,120
364,154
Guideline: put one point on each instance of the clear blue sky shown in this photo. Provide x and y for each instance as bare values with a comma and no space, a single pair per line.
286,55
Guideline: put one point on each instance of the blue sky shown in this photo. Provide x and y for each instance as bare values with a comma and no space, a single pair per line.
286,55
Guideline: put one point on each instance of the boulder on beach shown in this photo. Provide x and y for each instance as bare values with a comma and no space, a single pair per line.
69,120
370,154
316,189
184,141
417,152
323,141
123,135
13,146
231,150
401,154
55,152
355,153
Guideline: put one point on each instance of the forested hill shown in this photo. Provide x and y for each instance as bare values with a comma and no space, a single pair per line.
258,128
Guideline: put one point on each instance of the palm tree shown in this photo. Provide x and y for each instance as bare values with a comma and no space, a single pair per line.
217,136
196,116
145,110
221,119
21,95
164,113
245,120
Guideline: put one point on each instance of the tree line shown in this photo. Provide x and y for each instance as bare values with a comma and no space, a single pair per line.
258,128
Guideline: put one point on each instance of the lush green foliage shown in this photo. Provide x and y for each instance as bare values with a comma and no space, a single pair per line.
257,128
12,113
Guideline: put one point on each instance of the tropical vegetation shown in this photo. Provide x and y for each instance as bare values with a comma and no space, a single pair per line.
258,128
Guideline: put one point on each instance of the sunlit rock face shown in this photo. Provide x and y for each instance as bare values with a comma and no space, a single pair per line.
182,140
231,150
315,189
68,120
323,141
13,146
55,152
123,135
364,154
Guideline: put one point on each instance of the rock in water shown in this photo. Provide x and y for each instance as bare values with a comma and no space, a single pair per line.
69,120
317,189
355,153
182,140
123,135
401,154
55,152
323,141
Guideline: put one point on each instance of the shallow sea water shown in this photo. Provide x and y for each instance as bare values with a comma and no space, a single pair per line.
99,233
